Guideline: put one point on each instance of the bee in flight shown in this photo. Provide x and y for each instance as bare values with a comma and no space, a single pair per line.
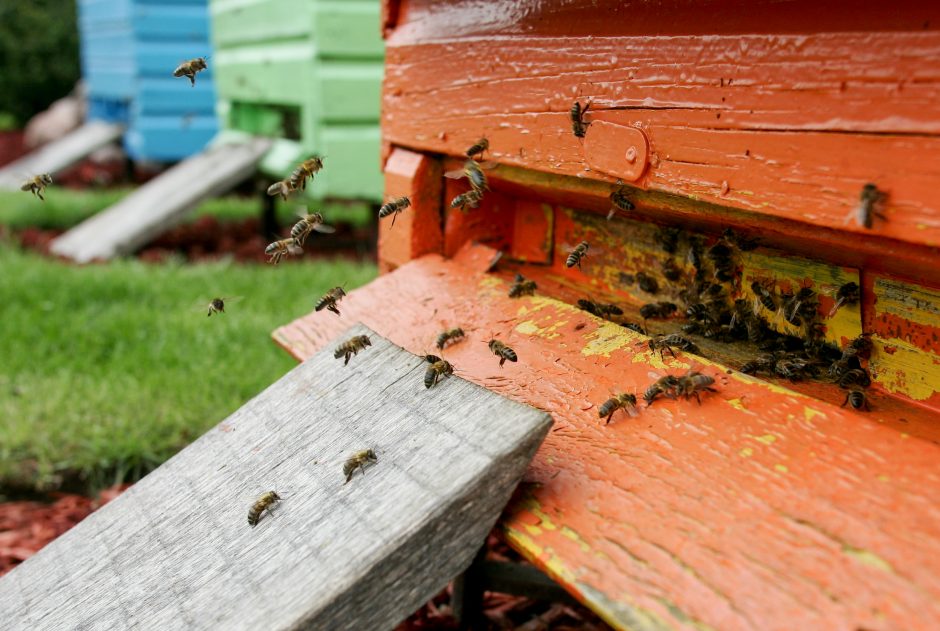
870,205
393,207
279,249
478,148
264,503
306,169
37,185
502,351
351,347
438,369
578,126
451,335
578,253
620,401
358,460
330,300
857,399
847,294
217,305
282,188
522,287
190,68
465,201
619,201
473,171
307,224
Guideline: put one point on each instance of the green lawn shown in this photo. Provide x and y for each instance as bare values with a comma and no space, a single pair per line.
107,370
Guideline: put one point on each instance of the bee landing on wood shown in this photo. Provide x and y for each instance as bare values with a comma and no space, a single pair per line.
847,294
304,170
576,115
438,369
37,185
351,347
330,299
578,253
522,287
620,401
264,503
190,68
465,201
307,224
358,460
279,249
502,351
451,335
393,207
478,148
870,205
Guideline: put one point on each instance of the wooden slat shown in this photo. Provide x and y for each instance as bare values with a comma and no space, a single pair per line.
60,154
176,551
761,508
161,203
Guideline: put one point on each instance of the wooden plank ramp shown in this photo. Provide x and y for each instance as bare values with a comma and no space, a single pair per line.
161,203
60,154
175,551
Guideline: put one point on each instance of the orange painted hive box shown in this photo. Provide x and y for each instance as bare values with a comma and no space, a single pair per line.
758,188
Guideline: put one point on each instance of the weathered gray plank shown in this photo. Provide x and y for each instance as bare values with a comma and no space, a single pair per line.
60,154
161,203
175,551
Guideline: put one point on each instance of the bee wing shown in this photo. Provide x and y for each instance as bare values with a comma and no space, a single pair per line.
456,174
631,410
489,164
857,213
232,299
325,229
295,249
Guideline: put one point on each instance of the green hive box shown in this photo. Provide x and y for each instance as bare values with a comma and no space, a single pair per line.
308,72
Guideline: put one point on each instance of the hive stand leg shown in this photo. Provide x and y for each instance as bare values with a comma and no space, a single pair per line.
269,225
468,595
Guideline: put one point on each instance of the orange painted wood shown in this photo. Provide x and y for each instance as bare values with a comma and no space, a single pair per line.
781,112
760,509
417,229
532,232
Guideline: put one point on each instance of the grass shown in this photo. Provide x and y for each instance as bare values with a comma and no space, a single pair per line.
107,370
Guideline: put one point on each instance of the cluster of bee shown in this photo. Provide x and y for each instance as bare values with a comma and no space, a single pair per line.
308,222
472,170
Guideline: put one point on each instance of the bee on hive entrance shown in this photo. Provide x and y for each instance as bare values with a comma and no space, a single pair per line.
465,201
307,224
264,503
351,347
576,114
279,249
663,386
190,68
522,287
647,283
870,205
330,299
393,207
671,271
693,384
37,185
857,399
478,148
304,170
358,460
664,343
438,369
578,253
502,351
600,309
763,297
668,239
657,310
620,201
847,294
451,335
620,401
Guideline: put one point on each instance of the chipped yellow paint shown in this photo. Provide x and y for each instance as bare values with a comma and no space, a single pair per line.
607,338
737,404
867,557
781,468
810,413
906,369
767,439
528,328
551,562
747,452
574,536
884,478
911,302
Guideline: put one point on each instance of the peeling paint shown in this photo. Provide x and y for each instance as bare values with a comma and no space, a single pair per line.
747,452
869,558
781,468
608,337
810,413
767,439
907,369
737,404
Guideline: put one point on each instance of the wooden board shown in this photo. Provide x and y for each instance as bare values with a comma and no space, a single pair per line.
161,203
762,508
175,551
60,154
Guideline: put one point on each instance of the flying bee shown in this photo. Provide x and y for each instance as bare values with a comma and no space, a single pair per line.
663,386
437,370
37,185
502,351
304,170
847,294
279,249
763,297
869,206
393,207
857,399
578,126
465,201
359,460
190,68
282,188
664,343
330,300
647,283
668,239
308,224
351,347
473,171
620,201
217,305
855,377
448,336
693,384
620,401
478,148
578,253
671,271
657,310
522,287
264,503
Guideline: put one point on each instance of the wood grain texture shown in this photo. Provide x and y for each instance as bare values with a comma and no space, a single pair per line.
783,125
161,203
176,552
759,509
60,154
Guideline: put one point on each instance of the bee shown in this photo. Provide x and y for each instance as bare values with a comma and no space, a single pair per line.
37,185
857,399
661,310
574,258
618,402
862,345
647,283
522,287
721,255
358,460
600,309
451,335
478,148
754,325
743,243
664,343
329,300
190,68
282,188
803,303
279,249
869,206
393,207
693,384
438,369
578,126
473,171
217,305
663,386
464,201
853,377
351,347
633,326
761,363
620,201
304,170
668,239
307,224
794,368
763,297
671,271
847,294
502,351
264,503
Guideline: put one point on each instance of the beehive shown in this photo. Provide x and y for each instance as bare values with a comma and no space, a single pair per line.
307,72
129,49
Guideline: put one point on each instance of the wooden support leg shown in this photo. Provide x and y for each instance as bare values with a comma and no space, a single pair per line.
269,225
468,595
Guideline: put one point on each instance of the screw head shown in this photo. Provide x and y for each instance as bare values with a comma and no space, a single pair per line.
631,155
